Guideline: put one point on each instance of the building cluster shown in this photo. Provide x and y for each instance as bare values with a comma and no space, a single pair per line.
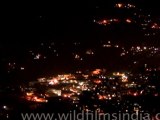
145,22
96,86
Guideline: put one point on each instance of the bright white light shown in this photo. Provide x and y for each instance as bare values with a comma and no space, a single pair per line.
53,82
37,56
4,107
22,68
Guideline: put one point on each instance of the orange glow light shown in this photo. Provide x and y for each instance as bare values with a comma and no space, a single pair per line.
104,21
128,21
97,71
97,81
135,94
119,5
